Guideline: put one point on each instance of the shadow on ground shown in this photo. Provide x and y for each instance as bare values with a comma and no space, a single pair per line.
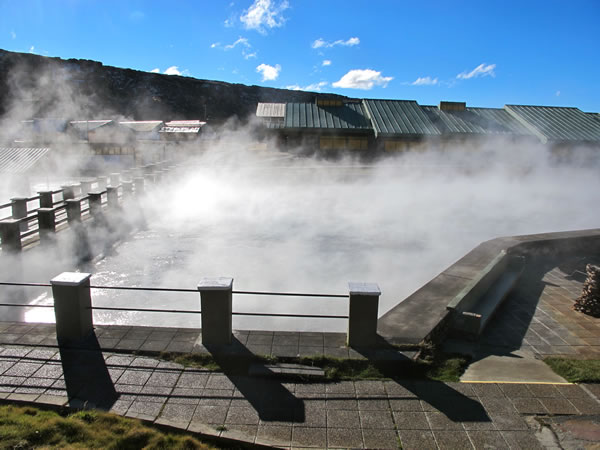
87,378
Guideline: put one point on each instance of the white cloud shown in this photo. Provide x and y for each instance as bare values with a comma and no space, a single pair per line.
347,43
248,55
13,35
215,45
269,72
425,81
482,70
558,93
264,14
362,79
241,41
228,23
157,70
31,49
173,70
326,62
318,87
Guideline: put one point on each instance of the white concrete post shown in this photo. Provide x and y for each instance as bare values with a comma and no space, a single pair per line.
73,207
138,186
72,306
19,211
215,304
362,323
46,199
68,192
115,179
95,202
86,186
10,234
46,223
102,182
112,197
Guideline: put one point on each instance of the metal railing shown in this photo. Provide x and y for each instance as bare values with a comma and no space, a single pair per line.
82,290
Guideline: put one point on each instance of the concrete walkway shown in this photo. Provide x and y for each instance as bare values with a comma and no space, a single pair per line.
360,414
537,320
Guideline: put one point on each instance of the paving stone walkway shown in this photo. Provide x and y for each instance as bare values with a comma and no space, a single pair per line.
539,317
359,414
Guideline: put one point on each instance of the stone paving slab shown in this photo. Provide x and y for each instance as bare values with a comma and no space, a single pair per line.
357,414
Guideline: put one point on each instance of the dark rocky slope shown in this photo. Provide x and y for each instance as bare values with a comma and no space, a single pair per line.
38,86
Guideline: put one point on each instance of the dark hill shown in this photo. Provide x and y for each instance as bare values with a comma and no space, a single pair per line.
38,86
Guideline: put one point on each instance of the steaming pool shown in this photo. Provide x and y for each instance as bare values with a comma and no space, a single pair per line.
312,227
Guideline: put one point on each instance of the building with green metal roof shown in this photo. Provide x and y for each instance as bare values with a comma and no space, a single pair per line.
330,126
558,125
398,125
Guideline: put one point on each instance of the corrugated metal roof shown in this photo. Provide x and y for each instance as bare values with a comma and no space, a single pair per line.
501,122
179,130
399,117
270,110
351,116
557,124
480,121
88,125
20,160
185,123
143,126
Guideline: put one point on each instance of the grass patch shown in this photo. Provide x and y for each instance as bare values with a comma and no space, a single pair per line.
29,427
434,366
576,370
440,367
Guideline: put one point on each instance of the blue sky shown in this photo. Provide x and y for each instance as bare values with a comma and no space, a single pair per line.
487,53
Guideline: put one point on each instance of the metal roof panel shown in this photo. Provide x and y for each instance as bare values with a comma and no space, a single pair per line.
20,160
270,110
399,117
557,124
350,116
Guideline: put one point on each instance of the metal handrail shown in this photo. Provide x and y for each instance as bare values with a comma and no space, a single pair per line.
290,294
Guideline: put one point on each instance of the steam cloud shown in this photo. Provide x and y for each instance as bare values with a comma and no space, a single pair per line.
277,221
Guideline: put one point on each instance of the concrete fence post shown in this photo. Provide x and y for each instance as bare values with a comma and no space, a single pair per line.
138,186
47,223
215,304
127,189
73,207
68,192
10,233
363,310
95,202
115,179
72,306
19,211
102,183
86,187
112,197
46,199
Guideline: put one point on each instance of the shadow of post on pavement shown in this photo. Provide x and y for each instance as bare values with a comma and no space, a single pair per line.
87,380
271,400
439,395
